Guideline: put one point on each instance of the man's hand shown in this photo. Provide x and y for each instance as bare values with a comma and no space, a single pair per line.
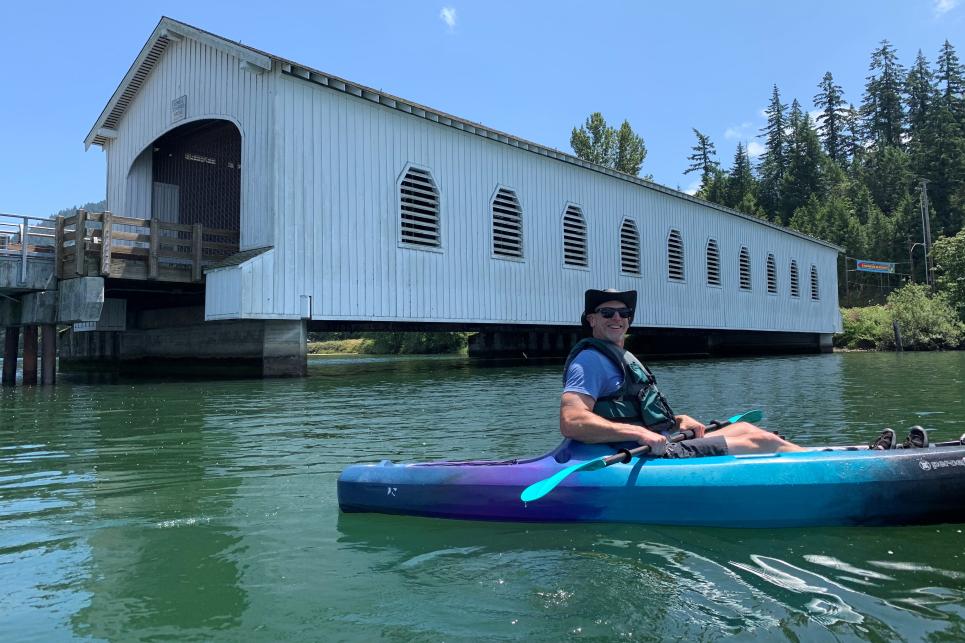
687,423
656,442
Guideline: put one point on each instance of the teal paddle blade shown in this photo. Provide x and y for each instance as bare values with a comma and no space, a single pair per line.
749,416
539,489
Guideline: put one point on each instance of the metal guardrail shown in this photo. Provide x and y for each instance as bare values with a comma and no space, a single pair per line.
26,237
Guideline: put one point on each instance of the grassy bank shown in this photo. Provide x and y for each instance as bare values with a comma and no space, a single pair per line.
387,343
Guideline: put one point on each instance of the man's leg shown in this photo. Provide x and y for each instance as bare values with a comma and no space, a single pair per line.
744,437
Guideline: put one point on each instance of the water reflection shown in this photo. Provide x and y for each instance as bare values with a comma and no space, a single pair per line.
554,578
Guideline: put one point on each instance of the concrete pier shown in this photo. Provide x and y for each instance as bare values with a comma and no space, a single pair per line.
177,341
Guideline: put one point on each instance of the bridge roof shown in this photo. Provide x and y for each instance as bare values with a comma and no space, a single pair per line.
169,30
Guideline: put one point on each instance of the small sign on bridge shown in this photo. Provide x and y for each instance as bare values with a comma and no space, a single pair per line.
875,266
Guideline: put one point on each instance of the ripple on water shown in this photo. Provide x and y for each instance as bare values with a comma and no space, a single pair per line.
207,511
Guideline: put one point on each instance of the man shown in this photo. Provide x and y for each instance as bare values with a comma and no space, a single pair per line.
609,396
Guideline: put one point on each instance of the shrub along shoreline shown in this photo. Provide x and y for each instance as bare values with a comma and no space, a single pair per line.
388,343
925,321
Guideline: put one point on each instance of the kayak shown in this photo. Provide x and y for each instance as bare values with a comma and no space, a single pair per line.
841,486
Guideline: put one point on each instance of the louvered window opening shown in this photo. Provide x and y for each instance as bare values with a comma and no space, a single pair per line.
815,293
771,275
745,269
795,281
507,225
420,208
574,238
629,248
713,263
675,256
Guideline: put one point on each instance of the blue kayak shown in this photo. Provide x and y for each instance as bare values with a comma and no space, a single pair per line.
816,487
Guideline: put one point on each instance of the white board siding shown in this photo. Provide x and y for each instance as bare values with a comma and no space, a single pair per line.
338,163
216,87
320,175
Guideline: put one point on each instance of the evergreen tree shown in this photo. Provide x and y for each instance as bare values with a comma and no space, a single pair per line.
919,96
950,74
831,121
713,186
703,158
773,163
622,150
882,107
740,179
853,141
630,151
888,177
805,166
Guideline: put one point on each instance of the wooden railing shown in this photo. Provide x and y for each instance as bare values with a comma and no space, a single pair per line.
23,237
108,245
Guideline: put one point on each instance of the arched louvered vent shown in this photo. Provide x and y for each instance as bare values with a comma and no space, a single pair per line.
795,280
419,209
629,248
745,268
713,263
507,225
771,275
815,291
675,256
574,238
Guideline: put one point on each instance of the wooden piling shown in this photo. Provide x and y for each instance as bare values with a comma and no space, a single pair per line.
48,359
107,234
155,247
30,355
10,346
59,248
80,245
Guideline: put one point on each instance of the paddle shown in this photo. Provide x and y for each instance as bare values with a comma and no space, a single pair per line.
539,489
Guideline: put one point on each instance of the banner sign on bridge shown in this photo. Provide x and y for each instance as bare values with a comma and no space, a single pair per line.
875,266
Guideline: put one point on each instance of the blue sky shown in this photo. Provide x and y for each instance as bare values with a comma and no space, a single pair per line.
532,69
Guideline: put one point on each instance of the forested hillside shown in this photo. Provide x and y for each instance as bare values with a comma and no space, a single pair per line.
854,174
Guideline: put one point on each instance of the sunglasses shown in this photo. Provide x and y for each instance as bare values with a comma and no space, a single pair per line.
608,313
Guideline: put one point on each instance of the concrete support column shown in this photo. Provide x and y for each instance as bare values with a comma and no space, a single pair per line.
10,346
285,349
30,355
48,360
825,342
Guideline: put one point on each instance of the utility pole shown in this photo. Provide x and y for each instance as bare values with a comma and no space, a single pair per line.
926,232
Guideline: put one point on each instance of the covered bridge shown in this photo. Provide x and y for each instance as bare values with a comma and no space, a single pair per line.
356,209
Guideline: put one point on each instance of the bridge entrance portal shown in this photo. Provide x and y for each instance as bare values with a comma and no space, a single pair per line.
197,175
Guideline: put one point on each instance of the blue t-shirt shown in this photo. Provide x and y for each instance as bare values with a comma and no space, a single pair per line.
592,373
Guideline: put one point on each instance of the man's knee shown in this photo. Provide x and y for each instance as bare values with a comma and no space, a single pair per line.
751,439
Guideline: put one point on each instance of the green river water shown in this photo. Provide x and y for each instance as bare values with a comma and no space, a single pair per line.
207,511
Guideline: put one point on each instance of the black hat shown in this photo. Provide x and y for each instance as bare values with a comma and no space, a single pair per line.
593,298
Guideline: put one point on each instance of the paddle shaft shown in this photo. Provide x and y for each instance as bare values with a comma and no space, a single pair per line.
625,455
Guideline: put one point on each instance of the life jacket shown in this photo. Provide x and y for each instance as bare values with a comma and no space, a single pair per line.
637,401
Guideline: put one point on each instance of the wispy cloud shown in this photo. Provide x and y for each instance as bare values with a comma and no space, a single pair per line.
944,6
448,16
737,132
692,188
754,149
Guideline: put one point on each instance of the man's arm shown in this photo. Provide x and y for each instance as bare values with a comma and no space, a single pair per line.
579,422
